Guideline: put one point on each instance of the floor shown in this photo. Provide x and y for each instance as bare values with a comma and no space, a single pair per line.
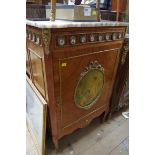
109,138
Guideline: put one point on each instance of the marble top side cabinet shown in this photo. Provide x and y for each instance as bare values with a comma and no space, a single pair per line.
74,69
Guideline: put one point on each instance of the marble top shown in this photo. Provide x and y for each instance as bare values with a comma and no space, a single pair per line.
66,24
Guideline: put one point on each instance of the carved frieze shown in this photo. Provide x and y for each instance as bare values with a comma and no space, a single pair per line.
70,40
33,37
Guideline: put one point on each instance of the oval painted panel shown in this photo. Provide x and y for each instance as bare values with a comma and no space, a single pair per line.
89,88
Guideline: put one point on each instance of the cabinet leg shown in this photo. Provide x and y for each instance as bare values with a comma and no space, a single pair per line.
56,144
106,115
109,115
102,118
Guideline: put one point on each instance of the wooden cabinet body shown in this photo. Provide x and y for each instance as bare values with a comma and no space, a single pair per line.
61,62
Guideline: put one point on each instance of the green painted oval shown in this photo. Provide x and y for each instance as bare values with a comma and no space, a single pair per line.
89,88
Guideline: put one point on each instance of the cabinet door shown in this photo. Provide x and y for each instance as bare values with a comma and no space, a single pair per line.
85,84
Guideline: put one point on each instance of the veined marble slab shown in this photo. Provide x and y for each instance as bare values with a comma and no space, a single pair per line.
66,24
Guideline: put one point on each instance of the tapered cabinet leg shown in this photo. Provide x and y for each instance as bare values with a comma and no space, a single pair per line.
106,115
109,115
102,118
56,144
